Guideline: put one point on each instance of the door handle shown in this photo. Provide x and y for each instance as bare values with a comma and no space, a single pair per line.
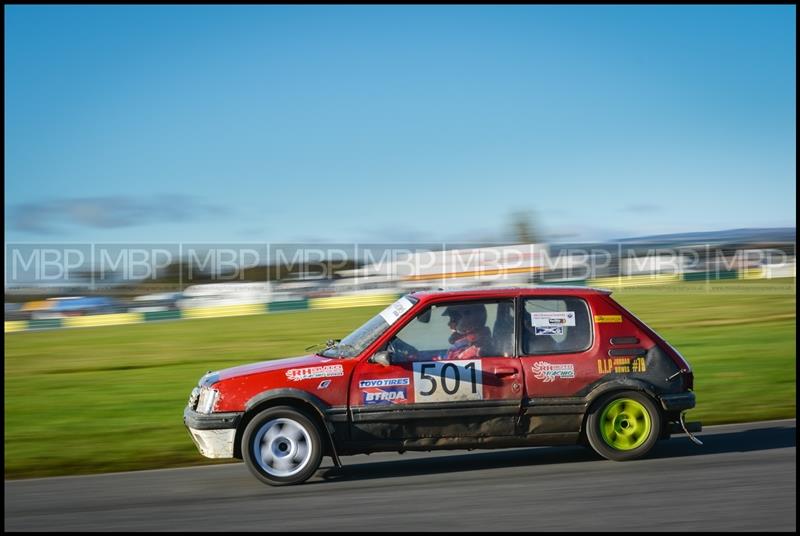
505,371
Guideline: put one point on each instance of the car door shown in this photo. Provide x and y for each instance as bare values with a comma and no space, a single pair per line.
442,384
559,355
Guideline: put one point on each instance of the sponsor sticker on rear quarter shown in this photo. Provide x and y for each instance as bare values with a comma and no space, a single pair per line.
608,319
541,320
548,372
555,330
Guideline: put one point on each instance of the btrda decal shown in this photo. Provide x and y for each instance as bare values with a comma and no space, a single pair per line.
384,395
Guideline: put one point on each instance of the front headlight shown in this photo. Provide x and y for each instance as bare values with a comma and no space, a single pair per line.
205,402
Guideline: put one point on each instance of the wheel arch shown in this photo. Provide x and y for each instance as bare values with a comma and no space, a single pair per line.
623,384
302,401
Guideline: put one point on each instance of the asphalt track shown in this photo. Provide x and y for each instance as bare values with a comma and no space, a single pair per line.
743,478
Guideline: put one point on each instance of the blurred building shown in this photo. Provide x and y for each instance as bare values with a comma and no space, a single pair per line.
217,294
152,303
501,265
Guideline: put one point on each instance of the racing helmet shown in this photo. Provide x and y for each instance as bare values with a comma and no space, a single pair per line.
470,317
453,312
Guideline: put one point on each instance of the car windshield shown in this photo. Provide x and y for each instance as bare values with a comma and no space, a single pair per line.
357,341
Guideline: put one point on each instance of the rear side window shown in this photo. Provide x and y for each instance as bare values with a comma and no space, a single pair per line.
556,326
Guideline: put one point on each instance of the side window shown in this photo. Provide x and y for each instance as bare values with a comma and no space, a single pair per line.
556,326
464,330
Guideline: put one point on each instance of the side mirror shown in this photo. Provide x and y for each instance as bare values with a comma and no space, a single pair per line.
382,358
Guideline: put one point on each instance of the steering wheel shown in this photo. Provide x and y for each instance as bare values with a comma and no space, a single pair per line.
401,349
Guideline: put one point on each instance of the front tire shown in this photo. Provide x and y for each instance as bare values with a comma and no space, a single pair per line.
282,446
623,425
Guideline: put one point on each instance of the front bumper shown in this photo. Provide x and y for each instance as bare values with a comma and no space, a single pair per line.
213,434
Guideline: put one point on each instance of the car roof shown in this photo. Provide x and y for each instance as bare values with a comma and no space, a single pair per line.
509,292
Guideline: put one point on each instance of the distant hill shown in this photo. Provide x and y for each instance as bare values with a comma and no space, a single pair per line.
772,234
782,237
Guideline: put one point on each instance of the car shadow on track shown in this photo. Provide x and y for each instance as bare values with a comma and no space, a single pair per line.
678,446
718,443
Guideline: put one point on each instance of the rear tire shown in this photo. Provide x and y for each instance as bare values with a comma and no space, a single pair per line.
623,425
282,446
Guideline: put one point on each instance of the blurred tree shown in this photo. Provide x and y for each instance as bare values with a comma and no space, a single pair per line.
523,227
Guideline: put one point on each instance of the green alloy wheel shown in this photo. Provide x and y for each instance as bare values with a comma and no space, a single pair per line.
623,425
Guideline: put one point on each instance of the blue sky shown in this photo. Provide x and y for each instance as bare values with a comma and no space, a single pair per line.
395,123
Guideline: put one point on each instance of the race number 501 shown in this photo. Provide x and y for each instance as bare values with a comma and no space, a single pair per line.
443,381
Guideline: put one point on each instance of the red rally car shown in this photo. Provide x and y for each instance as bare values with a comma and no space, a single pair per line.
453,370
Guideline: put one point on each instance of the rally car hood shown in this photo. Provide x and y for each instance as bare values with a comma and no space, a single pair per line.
273,365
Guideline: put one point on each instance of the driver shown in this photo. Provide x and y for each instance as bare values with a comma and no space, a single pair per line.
470,337
455,316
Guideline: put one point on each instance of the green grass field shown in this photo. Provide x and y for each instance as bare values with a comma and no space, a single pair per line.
91,400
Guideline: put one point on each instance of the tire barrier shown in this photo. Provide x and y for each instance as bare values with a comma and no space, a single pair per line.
224,310
361,300
633,280
333,302
114,319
